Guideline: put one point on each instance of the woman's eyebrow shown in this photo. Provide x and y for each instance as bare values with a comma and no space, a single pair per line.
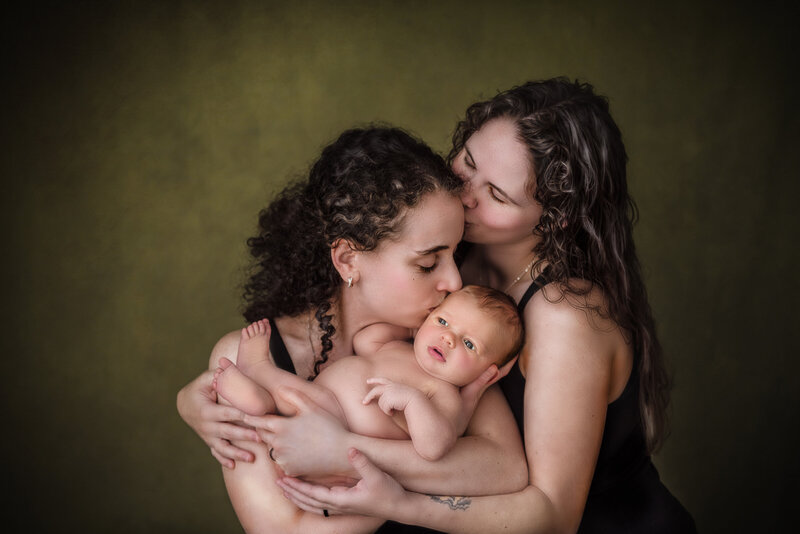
433,250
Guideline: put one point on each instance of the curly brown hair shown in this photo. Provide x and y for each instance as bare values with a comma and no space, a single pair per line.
586,227
359,190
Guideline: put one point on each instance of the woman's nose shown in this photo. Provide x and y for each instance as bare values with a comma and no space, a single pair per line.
467,196
451,279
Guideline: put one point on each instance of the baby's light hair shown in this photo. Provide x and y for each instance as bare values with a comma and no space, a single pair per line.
500,306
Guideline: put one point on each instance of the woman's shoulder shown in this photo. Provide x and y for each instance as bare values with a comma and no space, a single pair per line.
558,317
226,347
573,328
577,302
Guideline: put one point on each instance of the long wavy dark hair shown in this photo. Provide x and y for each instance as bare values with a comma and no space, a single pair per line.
359,190
586,228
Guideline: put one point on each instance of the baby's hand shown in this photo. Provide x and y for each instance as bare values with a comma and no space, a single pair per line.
390,395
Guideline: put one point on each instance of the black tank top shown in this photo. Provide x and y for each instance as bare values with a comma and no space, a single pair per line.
626,494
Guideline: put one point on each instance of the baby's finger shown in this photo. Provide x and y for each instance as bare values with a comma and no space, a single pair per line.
373,394
386,405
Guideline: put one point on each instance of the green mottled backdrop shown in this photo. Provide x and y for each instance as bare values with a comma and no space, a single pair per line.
140,140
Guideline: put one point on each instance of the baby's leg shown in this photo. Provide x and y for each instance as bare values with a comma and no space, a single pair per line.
243,385
241,391
247,385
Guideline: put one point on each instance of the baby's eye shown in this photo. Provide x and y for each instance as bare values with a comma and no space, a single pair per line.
469,344
441,321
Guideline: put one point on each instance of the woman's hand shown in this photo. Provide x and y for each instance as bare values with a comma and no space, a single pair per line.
472,392
197,405
311,443
376,494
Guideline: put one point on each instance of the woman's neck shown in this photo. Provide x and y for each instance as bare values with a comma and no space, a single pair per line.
302,333
302,336
504,265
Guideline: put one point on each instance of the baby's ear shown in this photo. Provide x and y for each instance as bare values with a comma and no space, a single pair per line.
345,260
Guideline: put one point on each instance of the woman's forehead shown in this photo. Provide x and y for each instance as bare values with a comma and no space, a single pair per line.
434,224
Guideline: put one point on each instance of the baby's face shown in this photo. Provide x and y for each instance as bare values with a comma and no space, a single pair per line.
458,341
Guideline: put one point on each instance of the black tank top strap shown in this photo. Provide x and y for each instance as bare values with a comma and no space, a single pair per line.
278,350
538,283
513,384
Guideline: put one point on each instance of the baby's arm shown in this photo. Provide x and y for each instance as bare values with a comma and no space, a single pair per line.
372,338
431,422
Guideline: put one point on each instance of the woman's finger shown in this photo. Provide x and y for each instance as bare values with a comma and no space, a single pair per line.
211,411
309,492
225,462
270,423
303,506
362,465
303,500
226,450
506,368
230,431
299,400
473,391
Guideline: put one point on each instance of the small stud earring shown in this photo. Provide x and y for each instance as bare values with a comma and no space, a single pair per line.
349,281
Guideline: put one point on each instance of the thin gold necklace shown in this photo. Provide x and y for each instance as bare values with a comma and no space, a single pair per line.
519,277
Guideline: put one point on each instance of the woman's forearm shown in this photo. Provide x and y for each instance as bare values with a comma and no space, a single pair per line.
526,511
489,460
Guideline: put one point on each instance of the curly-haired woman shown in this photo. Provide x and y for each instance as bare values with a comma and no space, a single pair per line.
550,221
368,238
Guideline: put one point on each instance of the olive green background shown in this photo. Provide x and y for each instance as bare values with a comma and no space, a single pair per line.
140,139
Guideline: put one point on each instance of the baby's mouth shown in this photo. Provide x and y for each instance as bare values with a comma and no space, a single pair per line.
436,354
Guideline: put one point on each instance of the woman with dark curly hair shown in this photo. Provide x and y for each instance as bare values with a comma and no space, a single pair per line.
550,222
368,238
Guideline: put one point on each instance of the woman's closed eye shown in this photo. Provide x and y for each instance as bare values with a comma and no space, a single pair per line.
494,196
468,162
427,268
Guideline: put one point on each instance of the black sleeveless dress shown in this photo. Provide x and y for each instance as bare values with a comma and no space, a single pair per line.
626,495
284,361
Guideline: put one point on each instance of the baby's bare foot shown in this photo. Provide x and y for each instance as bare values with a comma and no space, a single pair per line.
224,363
242,392
253,345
